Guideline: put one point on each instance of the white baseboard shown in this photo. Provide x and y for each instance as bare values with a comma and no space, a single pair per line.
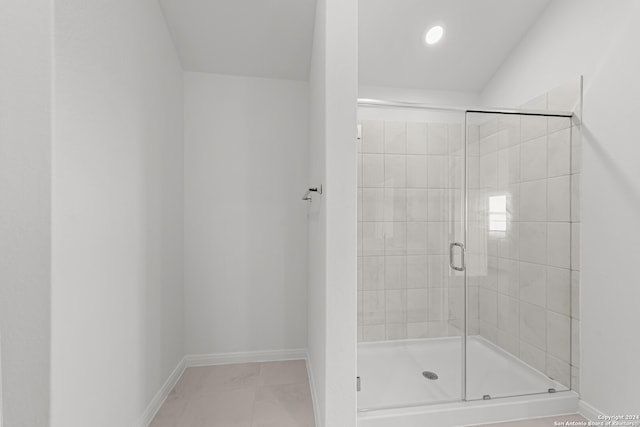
589,412
244,357
314,396
161,395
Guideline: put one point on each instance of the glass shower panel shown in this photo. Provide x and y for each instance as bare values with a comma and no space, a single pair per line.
518,255
410,304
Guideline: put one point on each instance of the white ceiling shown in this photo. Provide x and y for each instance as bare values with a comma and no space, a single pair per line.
479,36
258,38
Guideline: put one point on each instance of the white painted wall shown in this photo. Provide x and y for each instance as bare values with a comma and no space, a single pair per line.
565,43
317,222
117,316
245,241
25,208
332,221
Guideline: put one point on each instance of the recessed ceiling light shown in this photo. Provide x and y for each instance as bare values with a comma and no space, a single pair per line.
434,34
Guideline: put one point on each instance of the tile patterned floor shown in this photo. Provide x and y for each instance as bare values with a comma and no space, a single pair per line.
269,394
540,422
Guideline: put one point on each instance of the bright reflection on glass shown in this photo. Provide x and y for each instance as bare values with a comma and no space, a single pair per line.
498,213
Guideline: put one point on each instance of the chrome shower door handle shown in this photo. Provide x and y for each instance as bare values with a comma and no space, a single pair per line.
462,251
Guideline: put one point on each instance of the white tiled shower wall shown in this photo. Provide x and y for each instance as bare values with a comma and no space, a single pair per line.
410,177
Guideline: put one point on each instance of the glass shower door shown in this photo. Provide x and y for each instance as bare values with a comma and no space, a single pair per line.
411,310
518,255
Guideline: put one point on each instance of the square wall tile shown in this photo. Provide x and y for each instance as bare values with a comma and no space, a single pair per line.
456,139
417,271
508,315
488,144
372,238
559,371
372,136
373,307
437,171
437,271
438,138
416,171
508,277
416,138
508,130
488,174
575,197
509,245
555,124
575,246
374,332
533,325
559,336
533,242
576,149
533,159
559,152
559,199
437,207
488,127
559,244
416,238
533,356
395,307
575,342
395,137
436,304
488,312
373,170
532,127
417,207
372,204
395,171
533,287
395,238
417,305
533,201
373,273
395,204
508,342
455,177
488,331
395,272
417,330
559,290
437,238
396,331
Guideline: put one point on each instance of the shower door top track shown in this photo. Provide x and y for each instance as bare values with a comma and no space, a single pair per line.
377,103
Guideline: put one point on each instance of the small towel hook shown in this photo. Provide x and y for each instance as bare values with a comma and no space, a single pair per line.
307,195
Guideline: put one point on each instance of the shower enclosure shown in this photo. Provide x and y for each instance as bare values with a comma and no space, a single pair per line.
464,255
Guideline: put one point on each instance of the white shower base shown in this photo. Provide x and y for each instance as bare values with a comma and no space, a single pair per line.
391,377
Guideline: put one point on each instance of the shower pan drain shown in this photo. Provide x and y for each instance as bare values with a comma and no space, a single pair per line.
430,375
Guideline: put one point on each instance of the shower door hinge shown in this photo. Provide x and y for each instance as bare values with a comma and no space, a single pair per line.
358,384
486,397
552,390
